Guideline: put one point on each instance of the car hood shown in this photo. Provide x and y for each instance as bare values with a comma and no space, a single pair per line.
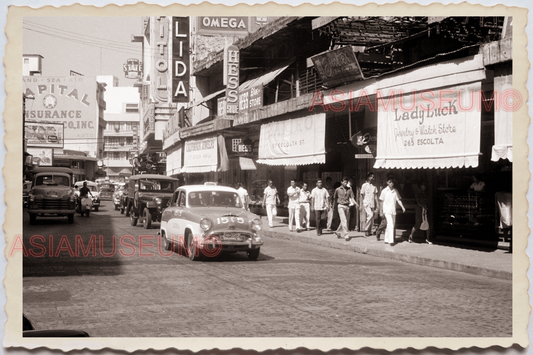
216,212
47,190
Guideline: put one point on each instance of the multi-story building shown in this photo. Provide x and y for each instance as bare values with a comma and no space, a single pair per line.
120,135
63,119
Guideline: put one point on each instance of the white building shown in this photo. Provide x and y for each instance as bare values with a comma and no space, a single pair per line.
122,126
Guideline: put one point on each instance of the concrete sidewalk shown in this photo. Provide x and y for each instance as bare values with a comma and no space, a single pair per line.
497,263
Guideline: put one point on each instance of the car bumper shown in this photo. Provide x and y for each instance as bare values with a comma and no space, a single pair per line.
47,211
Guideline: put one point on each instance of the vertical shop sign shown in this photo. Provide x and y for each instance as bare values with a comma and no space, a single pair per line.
231,64
180,59
159,80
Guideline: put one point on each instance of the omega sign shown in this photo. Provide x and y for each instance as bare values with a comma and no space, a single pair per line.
235,25
231,64
180,58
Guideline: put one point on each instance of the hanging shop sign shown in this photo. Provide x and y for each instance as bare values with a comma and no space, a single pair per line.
337,67
180,59
221,104
297,141
200,155
133,69
149,122
251,99
231,79
438,129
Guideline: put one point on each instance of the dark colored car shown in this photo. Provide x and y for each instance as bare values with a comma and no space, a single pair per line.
147,196
51,194
107,190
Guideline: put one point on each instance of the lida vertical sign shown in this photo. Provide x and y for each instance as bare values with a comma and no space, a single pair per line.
180,59
231,79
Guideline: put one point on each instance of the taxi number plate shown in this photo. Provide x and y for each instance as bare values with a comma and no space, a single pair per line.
233,236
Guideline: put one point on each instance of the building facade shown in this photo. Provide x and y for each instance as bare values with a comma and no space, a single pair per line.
121,132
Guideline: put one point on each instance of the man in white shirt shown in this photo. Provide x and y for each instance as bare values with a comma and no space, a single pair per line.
270,199
369,194
320,204
243,194
303,200
390,197
293,192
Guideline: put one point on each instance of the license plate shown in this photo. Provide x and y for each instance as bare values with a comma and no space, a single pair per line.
233,236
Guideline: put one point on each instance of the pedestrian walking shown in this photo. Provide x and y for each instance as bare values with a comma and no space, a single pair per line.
243,194
319,204
270,199
343,197
293,192
369,195
331,211
304,201
421,212
390,196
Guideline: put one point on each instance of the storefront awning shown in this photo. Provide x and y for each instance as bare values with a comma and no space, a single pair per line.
411,135
263,79
247,164
298,141
503,123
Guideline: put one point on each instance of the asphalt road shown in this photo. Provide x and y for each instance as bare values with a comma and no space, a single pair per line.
125,285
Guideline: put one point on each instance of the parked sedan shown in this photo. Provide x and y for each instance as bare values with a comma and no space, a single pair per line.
205,220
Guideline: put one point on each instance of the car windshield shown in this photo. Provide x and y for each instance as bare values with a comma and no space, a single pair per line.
93,188
214,199
157,185
52,180
107,187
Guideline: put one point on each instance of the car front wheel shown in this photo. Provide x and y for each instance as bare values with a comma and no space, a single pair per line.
33,218
166,243
147,219
253,254
96,209
71,218
192,248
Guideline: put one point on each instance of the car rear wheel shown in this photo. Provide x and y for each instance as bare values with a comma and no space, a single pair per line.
33,218
147,219
192,248
71,218
253,254
133,219
121,210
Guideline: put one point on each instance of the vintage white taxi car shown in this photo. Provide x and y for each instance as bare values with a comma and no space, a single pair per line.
206,220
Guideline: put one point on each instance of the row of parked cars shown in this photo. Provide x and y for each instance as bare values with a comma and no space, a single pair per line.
202,220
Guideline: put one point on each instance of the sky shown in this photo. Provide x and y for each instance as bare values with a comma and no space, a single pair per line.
88,45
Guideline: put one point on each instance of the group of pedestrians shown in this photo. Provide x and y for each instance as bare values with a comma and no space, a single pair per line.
322,201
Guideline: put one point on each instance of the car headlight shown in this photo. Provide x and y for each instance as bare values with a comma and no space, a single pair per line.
32,198
71,198
158,201
206,224
256,224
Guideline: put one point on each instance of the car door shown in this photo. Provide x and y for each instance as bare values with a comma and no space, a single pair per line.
173,214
